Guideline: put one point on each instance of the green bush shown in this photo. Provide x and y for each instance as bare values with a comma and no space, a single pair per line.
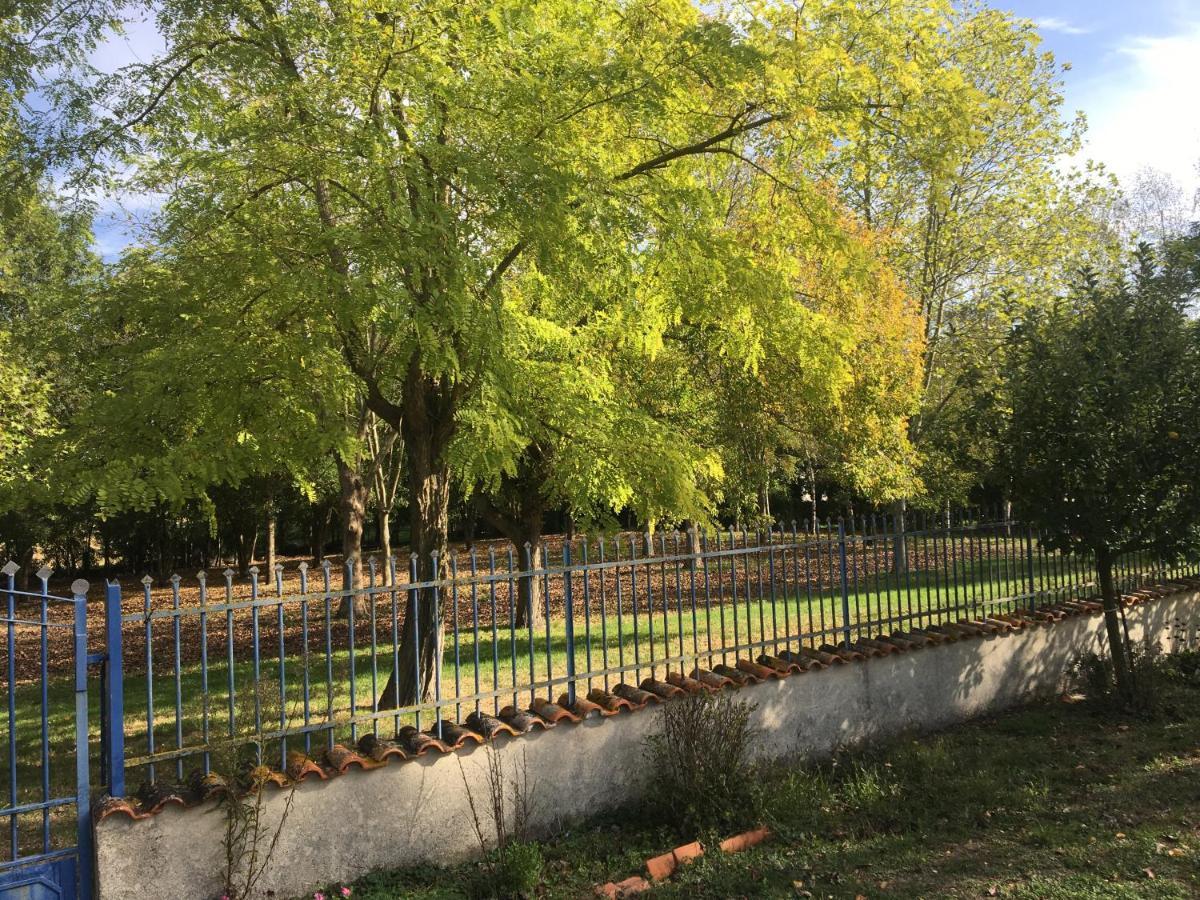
701,773
513,870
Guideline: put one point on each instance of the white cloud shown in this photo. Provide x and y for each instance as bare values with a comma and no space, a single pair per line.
1141,111
1062,26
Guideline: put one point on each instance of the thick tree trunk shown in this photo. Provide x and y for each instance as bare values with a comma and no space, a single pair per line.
352,501
427,427
1118,647
899,537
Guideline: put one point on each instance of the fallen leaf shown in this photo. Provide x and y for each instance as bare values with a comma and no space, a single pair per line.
1149,872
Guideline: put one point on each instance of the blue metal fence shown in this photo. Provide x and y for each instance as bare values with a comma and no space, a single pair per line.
46,811
198,670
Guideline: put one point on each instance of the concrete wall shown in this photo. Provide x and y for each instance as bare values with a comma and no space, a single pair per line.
417,811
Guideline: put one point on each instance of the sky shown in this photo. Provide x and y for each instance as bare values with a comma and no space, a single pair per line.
1135,70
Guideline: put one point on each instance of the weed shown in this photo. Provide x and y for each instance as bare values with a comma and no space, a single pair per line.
700,760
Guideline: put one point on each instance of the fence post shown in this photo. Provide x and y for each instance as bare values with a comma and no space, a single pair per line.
570,623
845,583
1029,567
83,789
114,692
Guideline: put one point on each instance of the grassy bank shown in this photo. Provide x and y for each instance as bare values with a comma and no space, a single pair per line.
1054,801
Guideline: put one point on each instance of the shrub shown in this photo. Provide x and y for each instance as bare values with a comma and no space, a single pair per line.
702,775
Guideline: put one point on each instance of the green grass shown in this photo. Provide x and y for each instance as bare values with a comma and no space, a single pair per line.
1051,802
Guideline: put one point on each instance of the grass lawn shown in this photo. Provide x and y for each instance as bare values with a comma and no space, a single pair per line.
1052,801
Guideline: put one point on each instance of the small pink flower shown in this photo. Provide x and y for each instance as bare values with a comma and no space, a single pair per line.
318,896
345,892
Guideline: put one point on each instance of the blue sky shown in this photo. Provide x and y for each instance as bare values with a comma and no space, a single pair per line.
1135,73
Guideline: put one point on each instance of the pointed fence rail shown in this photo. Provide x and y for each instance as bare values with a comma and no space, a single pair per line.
243,671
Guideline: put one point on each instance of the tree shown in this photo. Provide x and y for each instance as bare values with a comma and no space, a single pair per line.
398,170
961,178
1153,208
1105,409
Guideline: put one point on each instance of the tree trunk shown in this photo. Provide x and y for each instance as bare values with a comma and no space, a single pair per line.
1118,648
385,540
352,501
319,533
245,550
900,538
271,525
427,427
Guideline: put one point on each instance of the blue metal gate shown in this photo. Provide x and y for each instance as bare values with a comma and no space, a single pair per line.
47,851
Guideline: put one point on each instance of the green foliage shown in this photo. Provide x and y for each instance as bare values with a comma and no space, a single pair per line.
513,870
1105,407
700,776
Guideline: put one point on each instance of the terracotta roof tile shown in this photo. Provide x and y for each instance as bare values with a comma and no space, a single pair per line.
661,689
300,766
418,743
583,708
712,680
687,684
609,702
521,721
739,678
341,759
480,727
551,713
759,671
846,655
636,696
782,666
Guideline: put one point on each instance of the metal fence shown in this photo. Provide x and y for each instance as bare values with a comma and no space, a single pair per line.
203,670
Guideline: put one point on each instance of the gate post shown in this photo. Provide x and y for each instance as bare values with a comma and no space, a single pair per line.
83,791
114,693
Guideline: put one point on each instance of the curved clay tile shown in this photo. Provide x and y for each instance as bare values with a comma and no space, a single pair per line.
804,659
739,678
381,751
875,648
847,655
754,670
684,683
300,766
661,688
552,713
916,639
457,736
486,727
107,806
418,743
711,680
636,697
154,798
610,702
583,708
782,666
933,635
520,721
208,787
341,758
